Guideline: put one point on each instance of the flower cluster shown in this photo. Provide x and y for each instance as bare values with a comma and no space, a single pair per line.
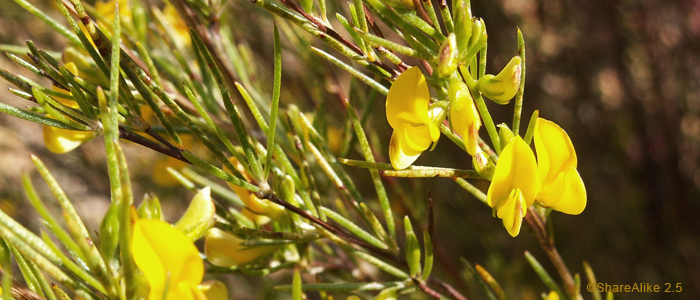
519,179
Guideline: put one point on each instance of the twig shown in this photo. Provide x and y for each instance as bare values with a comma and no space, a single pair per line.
547,244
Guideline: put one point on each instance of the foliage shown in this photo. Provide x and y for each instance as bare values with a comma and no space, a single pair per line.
176,81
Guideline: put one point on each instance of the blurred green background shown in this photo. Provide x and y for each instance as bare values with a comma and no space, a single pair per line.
621,76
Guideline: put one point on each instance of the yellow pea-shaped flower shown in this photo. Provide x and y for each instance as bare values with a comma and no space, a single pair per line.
225,249
168,259
59,140
502,87
407,112
514,184
562,188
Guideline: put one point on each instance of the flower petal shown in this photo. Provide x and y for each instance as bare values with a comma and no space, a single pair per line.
165,255
224,249
516,169
555,152
408,99
566,193
464,118
512,212
59,140
407,143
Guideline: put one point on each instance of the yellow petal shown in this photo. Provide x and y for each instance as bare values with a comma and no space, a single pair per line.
160,174
407,143
165,255
254,204
408,99
60,141
502,87
512,212
516,169
464,118
182,32
555,152
224,249
566,193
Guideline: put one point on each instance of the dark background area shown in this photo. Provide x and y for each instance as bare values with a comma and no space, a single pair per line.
621,76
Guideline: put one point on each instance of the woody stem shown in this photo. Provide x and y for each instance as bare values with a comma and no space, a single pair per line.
547,243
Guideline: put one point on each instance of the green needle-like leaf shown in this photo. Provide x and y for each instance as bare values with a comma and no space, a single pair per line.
356,230
277,85
542,273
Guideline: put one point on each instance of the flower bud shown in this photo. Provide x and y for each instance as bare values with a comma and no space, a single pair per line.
109,232
447,61
464,118
463,26
224,249
150,208
412,248
214,290
505,134
199,216
502,87
483,165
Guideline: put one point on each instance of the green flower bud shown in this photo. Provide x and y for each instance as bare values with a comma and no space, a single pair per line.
502,87
412,248
150,208
199,216
447,61
476,41
109,232
505,134
463,26
483,165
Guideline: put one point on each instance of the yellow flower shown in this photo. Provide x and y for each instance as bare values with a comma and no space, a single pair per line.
502,87
514,185
562,188
182,32
106,10
552,179
260,207
407,113
168,259
59,140
225,249
464,118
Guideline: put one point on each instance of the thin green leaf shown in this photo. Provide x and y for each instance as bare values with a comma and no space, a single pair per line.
356,230
543,274
232,110
297,285
590,276
517,110
376,179
29,277
472,189
470,272
359,75
428,256
52,226
531,127
277,85
343,287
